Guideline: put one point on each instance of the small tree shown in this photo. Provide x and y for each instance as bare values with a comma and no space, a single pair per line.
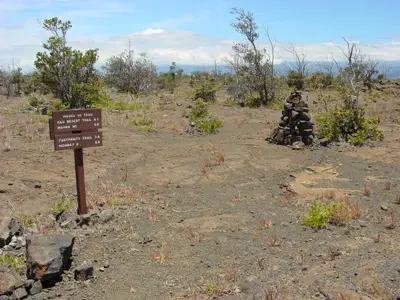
6,82
206,89
358,73
11,80
202,118
254,66
170,79
69,74
348,120
131,74
320,80
295,80
300,64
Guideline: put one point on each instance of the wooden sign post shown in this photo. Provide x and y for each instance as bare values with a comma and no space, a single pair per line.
77,129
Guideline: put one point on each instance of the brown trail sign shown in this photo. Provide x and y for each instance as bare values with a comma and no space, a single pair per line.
77,129
78,140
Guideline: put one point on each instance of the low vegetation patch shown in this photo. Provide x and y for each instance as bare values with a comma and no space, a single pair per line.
41,119
27,220
350,125
201,117
14,262
114,194
121,106
275,105
337,213
318,216
65,204
144,124
215,289
252,102
206,90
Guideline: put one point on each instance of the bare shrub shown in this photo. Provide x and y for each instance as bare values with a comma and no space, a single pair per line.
11,80
130,73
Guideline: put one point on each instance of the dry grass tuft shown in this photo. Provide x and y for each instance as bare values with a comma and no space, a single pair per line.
194,235
216,289
388,185
367,191
273,241
260,263
333,253
344,210
329,194
153,216
46,225
256,236
271,294
219,159
289,198
166,183
162,256
237,198
205,167
378,237
124,174
265,224
231,275
114,194
391,224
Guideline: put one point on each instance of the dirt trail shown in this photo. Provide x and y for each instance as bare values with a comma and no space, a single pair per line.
189,226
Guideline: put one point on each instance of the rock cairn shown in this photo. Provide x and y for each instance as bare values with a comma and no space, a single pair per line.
296,127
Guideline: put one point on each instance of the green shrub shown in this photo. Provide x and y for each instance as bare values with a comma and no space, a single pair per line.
381,77
14,262
210,124
348,124
201,117
120,106
87,94
37,99
320,80
296,80
144,124
337,213
69,74
27,220
199,111
55,105
318,216
275,105
41,119
206,90
65,204
252,102
31,83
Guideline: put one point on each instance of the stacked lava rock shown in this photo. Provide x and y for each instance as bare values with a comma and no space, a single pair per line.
296,126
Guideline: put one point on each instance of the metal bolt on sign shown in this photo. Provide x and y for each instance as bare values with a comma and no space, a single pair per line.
77,129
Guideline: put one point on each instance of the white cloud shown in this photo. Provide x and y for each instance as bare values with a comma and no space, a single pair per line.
183,47
149,31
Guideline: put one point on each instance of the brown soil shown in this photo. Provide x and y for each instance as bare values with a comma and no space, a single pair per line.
189,226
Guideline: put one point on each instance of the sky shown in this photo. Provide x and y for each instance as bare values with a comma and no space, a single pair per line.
199,32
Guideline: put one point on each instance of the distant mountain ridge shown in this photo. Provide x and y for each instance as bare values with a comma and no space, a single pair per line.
392,68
